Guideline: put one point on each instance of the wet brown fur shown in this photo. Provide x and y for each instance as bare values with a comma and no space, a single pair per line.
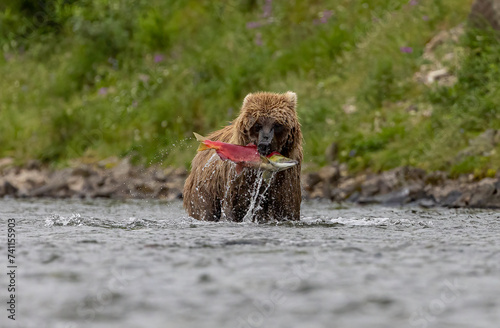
213,190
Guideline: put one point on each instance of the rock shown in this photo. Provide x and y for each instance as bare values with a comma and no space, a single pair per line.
168,192
400,196
56,186
92,184
76,183
173,186
33,165
6,162
354,197
311,180
329,174
52,189
485,194
381,183
317,191
105,192
449,195
9,189
433,76
347,187
427,202
412,173
84,171
435,178
24,180
144,188
181,173
162,192
371,186
123,170
159,175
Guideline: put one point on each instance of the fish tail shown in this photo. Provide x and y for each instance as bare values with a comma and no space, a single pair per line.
267,175
199,137
203,147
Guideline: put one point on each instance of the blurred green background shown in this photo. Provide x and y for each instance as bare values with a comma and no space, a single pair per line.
90,79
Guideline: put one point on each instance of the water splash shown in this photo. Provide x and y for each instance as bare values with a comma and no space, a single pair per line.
380,222
74,219
255,200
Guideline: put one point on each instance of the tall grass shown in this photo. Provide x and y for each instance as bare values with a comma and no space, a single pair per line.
91,79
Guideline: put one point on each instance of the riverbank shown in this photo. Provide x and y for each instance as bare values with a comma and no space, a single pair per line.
119,179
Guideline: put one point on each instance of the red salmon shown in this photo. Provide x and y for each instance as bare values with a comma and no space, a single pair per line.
246,156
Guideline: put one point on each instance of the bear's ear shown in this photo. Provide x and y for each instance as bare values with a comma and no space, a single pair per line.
292,98
246,99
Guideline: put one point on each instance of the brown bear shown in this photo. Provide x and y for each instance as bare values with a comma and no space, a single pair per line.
214,191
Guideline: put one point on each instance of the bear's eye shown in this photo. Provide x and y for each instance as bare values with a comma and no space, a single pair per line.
279,129
257,127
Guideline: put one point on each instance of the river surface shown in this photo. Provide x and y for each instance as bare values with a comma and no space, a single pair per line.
146,264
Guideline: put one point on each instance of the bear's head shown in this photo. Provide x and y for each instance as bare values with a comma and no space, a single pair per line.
269,120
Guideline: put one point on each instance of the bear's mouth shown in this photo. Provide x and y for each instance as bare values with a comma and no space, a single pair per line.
264,149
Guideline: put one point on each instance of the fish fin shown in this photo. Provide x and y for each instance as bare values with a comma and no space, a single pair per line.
264,159
199,137
239,168
267,175
222,156
203,147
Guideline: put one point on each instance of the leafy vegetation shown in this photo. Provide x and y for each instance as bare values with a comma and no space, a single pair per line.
89,79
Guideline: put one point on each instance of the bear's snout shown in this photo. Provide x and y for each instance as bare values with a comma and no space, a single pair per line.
266,136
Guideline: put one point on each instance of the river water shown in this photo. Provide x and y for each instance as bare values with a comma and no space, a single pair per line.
146,264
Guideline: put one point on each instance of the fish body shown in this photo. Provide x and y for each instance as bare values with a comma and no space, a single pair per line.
246,156
243,156
276,162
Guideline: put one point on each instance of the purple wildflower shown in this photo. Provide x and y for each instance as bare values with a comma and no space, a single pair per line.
413,2
159,58
407,50
326,15
268,8
258,39
252,25
425,18
103,91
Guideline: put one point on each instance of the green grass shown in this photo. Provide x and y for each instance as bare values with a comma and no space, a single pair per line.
91,79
